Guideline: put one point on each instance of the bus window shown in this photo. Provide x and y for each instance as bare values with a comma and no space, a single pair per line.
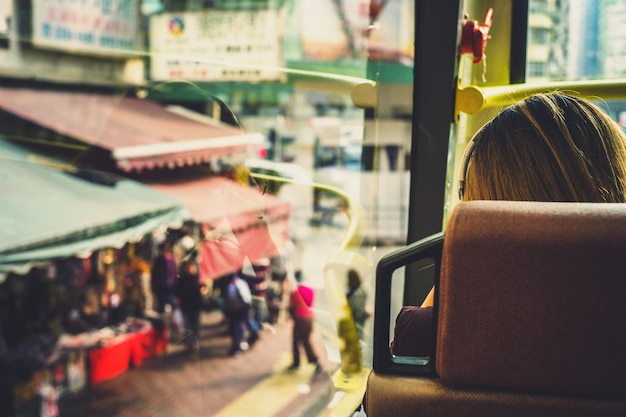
320,135
209,128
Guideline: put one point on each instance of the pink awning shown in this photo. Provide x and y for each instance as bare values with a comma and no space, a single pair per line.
213,199
227,254
140,134
240,222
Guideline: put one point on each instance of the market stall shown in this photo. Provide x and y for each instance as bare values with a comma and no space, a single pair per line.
72,284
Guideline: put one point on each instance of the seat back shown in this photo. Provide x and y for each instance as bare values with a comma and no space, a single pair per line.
532,297
530,312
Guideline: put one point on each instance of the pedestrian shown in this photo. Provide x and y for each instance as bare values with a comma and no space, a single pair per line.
163,277
189,300
237,300
284,272
357,300
300,302
274,296
258,284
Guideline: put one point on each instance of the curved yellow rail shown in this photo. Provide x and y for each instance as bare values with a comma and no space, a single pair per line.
345,257
472,99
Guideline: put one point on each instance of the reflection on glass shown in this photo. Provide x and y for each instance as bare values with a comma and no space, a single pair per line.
143,140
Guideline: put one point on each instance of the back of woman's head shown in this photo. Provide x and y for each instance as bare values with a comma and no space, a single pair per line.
549,147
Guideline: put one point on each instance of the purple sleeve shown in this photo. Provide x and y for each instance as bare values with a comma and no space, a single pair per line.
413,334
172,272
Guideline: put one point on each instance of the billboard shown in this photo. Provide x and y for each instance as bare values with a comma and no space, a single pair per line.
108,27
216,45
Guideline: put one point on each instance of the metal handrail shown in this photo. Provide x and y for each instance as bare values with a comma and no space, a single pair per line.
472,99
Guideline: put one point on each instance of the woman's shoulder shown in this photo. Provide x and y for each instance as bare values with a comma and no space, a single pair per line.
415,317
413,332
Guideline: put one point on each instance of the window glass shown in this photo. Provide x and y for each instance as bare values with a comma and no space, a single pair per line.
144,142
576,40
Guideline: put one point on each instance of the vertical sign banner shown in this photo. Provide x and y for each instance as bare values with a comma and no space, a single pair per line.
216,45
90,26
6,15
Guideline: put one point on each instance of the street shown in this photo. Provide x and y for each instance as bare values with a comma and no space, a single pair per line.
211,383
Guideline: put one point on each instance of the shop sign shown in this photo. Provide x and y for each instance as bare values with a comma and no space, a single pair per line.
104,27
217,45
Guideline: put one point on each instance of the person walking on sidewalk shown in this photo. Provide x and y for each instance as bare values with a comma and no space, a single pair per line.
237,300
189,300
357,300
163,277
258,289
300,303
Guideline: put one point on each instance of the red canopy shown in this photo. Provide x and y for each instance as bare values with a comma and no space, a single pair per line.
227,254
240,222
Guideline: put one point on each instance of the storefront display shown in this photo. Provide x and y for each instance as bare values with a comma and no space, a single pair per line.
125,350
74,323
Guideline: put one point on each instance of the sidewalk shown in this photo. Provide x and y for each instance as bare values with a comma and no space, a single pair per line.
210,382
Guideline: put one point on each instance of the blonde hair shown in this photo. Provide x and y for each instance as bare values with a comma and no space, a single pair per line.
549,147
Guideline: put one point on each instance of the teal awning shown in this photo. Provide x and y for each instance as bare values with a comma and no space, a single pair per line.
48,213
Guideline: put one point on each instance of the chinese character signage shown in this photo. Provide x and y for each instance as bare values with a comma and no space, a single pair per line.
216,45
89,26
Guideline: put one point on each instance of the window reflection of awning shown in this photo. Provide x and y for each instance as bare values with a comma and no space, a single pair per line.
212,199
139,134
47,214
236,220
227,254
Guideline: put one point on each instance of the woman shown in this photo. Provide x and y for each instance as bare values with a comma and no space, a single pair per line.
549,147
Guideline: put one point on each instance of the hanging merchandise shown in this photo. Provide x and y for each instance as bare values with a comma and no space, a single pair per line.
49,407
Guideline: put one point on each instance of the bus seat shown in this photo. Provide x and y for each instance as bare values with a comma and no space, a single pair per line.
530,316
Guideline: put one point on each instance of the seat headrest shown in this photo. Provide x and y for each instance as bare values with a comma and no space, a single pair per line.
532,297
